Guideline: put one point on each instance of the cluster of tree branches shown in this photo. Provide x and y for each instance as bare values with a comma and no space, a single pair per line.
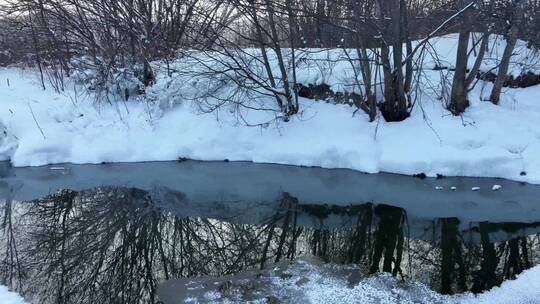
105,36
259,44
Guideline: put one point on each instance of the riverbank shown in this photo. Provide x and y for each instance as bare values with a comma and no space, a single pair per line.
44,127
308,282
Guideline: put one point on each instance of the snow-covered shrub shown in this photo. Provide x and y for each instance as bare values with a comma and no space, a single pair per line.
125,84
218,80
111,83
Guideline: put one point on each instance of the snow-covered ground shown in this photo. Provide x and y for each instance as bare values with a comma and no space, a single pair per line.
383,288
43,127
308,281
8,297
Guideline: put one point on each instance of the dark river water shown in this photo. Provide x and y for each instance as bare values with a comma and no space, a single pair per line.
114,233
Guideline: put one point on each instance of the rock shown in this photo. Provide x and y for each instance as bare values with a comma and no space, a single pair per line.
354,278
247,289
225,287
420,175
524,80
325,93
304,91
272,300
302,281
285,275
488,76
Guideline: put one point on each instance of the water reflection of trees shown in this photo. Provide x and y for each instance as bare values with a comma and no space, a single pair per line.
115,245
10,264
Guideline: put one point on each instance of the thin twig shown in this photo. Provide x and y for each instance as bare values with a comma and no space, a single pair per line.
35,120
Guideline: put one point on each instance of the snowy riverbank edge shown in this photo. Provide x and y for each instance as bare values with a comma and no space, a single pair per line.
523,290
308,282
39,127
496,141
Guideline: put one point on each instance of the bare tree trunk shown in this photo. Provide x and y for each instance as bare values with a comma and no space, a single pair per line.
511,39
289,108
365,65
37,52
394,107
408,44
264,53
458,97
366,76
479,58
293,30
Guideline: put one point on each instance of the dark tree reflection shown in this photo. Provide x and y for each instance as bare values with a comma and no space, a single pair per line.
486,277
452,266
388,239
11,266
97,246
113,245
11,272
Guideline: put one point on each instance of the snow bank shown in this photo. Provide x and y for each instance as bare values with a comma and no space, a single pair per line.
333,66
489,141
7,297
524,290
383,288
326,284
309,281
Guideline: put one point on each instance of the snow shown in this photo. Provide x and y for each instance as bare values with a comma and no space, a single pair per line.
487,141
8,297
524,290
524,59
496,187
323,287
307,281
383,288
